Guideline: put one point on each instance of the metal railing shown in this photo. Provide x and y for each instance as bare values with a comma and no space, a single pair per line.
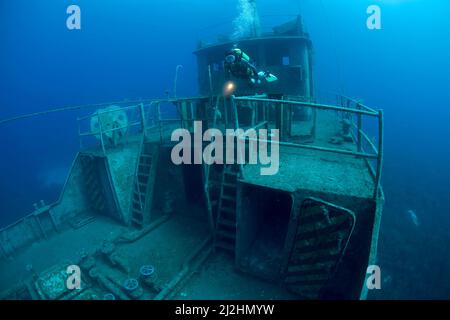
150,119
348,107
100,132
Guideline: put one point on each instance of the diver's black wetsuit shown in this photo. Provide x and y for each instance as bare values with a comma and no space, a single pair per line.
241,67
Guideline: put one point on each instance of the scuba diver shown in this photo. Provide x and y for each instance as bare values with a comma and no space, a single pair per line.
239,65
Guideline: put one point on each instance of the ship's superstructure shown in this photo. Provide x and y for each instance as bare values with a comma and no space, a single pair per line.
141,227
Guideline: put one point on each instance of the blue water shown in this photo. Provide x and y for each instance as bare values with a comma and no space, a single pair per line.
130,50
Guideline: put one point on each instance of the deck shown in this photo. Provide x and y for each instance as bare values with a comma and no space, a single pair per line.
316,171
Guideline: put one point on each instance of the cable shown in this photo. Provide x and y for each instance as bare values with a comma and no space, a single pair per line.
63,109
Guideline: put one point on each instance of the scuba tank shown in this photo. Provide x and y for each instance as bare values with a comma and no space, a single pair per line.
241,54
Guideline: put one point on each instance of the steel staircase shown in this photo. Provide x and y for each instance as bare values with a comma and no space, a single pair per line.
225,233
323,233
143,186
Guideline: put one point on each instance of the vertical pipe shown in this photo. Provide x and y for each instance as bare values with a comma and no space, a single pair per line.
208,199
264,106
144,127
307,79
236,126
175,82
280,120
225,108
306,73
207,174
359,128
52,219
183,114
235,113
210,82
41,229
380,152
314,128
159,121
191,114
101,134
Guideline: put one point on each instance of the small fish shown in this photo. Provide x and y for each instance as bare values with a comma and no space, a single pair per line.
413,217
387,280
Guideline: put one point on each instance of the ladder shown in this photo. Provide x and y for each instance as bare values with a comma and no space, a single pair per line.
225,233
143,187
323,234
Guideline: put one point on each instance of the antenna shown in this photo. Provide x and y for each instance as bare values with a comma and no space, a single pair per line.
175,81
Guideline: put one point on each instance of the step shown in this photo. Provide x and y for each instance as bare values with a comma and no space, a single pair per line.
146,169
138,223
142,186
228,209
229,185
137,194
224,245
229,198
147,165
229,204
138,215
147,156
227,223
230,173
138,218
136,211
226,234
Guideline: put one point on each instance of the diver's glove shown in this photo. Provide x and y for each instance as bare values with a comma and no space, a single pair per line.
268,76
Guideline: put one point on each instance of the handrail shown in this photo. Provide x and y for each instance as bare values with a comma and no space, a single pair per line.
100,132
380,153
97,105
94,133
101,112
316,148
311,105
355,101
364,135
359,111
207,177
